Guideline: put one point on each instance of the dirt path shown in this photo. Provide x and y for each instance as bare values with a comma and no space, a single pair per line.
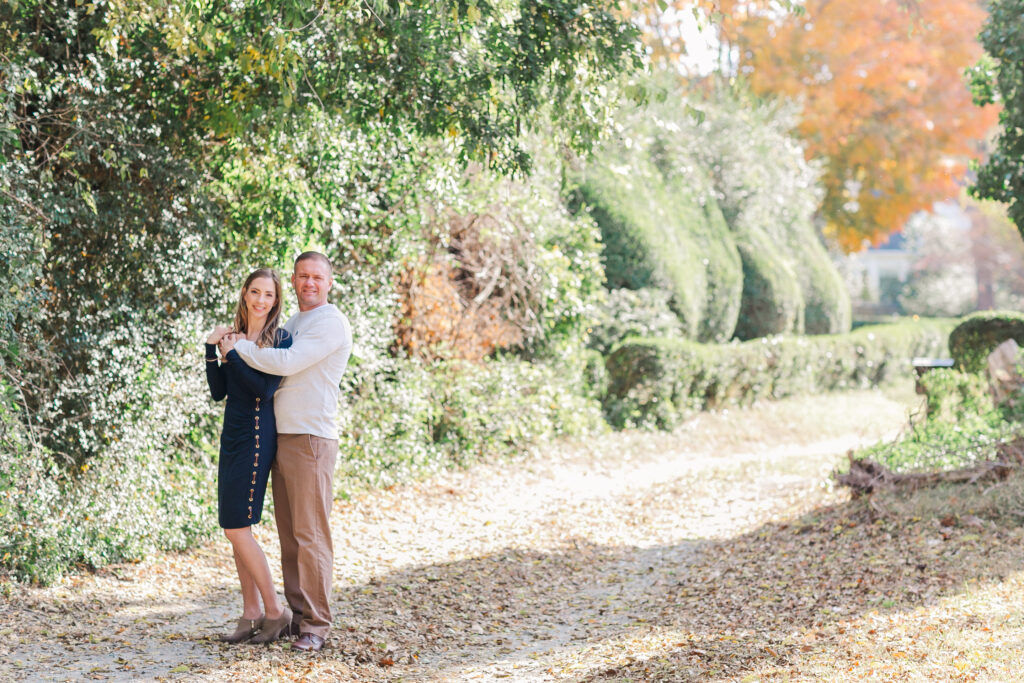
561,566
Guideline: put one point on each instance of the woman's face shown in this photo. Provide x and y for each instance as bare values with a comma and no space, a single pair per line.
260,298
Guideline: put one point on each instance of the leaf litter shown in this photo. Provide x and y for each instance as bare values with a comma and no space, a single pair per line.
716,552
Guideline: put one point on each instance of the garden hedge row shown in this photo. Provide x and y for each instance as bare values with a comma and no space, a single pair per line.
658,382
980,333
657,234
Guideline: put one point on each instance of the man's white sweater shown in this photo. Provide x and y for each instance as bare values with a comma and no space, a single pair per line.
307,400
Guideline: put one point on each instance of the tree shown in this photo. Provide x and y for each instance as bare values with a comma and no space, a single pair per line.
884,102
999,78
153,150
139,142
474,70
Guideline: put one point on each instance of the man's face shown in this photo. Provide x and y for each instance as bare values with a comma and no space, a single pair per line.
312,280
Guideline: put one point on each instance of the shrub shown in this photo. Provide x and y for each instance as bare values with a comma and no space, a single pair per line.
657,382
768,194
953,396
633,313
594,374
979,334
936,445
150,488
413,419
506,406
962,427
647,237
660,220
772,302
827,306
385,433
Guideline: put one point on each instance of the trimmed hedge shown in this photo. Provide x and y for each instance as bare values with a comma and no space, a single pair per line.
721,258
662,227
646,243
980,333
827,307
658,382
633,313
772,302
410,420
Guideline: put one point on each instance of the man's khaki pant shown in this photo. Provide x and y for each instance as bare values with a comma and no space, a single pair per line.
303,496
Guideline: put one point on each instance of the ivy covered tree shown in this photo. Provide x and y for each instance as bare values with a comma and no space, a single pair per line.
152,150
137,137
999,78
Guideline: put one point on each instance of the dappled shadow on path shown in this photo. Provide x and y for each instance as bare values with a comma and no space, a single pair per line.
129,622
785,599
775,602
803,598
777,599
501,611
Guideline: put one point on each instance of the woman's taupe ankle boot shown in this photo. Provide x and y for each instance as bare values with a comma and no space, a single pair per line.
245,630
272,628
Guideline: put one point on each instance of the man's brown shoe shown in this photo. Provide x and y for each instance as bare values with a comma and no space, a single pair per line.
308,642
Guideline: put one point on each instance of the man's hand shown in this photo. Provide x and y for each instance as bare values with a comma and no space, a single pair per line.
227,342
218,333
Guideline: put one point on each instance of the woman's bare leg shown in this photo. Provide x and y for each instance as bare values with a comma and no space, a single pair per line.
250,594
249,556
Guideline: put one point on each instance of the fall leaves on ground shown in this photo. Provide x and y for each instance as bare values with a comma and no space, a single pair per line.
710,553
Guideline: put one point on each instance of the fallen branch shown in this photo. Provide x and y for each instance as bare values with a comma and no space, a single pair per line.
866,476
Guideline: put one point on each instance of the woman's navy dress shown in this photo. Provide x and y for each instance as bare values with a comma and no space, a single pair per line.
248,441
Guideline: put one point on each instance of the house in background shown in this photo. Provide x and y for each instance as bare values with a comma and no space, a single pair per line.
876,277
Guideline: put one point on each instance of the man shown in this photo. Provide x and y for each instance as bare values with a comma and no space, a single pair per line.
307,442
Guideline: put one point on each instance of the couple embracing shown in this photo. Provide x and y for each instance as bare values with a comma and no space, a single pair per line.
281,385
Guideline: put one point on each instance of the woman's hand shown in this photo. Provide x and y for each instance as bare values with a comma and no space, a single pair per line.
227,342
218,333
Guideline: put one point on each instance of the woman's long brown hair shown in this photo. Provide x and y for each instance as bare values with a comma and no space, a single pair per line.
268,335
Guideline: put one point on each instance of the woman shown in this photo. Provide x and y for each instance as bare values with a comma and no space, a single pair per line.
248,443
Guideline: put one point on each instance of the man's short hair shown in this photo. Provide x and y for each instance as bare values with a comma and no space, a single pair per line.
306,255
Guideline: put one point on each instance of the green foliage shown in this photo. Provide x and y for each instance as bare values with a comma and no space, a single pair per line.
413,420
962,426
659,219
633,313
953,396
980,333
551,273
999,78
472,71
151,154
647,230
713,201
827,305
123,504
937,445
386,436
772,302
658,382
594,375
508,405
769,195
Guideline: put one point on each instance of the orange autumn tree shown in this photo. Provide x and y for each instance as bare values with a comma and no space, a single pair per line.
885,103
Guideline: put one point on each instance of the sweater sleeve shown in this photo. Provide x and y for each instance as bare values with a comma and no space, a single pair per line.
322,338
258,383
215,374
